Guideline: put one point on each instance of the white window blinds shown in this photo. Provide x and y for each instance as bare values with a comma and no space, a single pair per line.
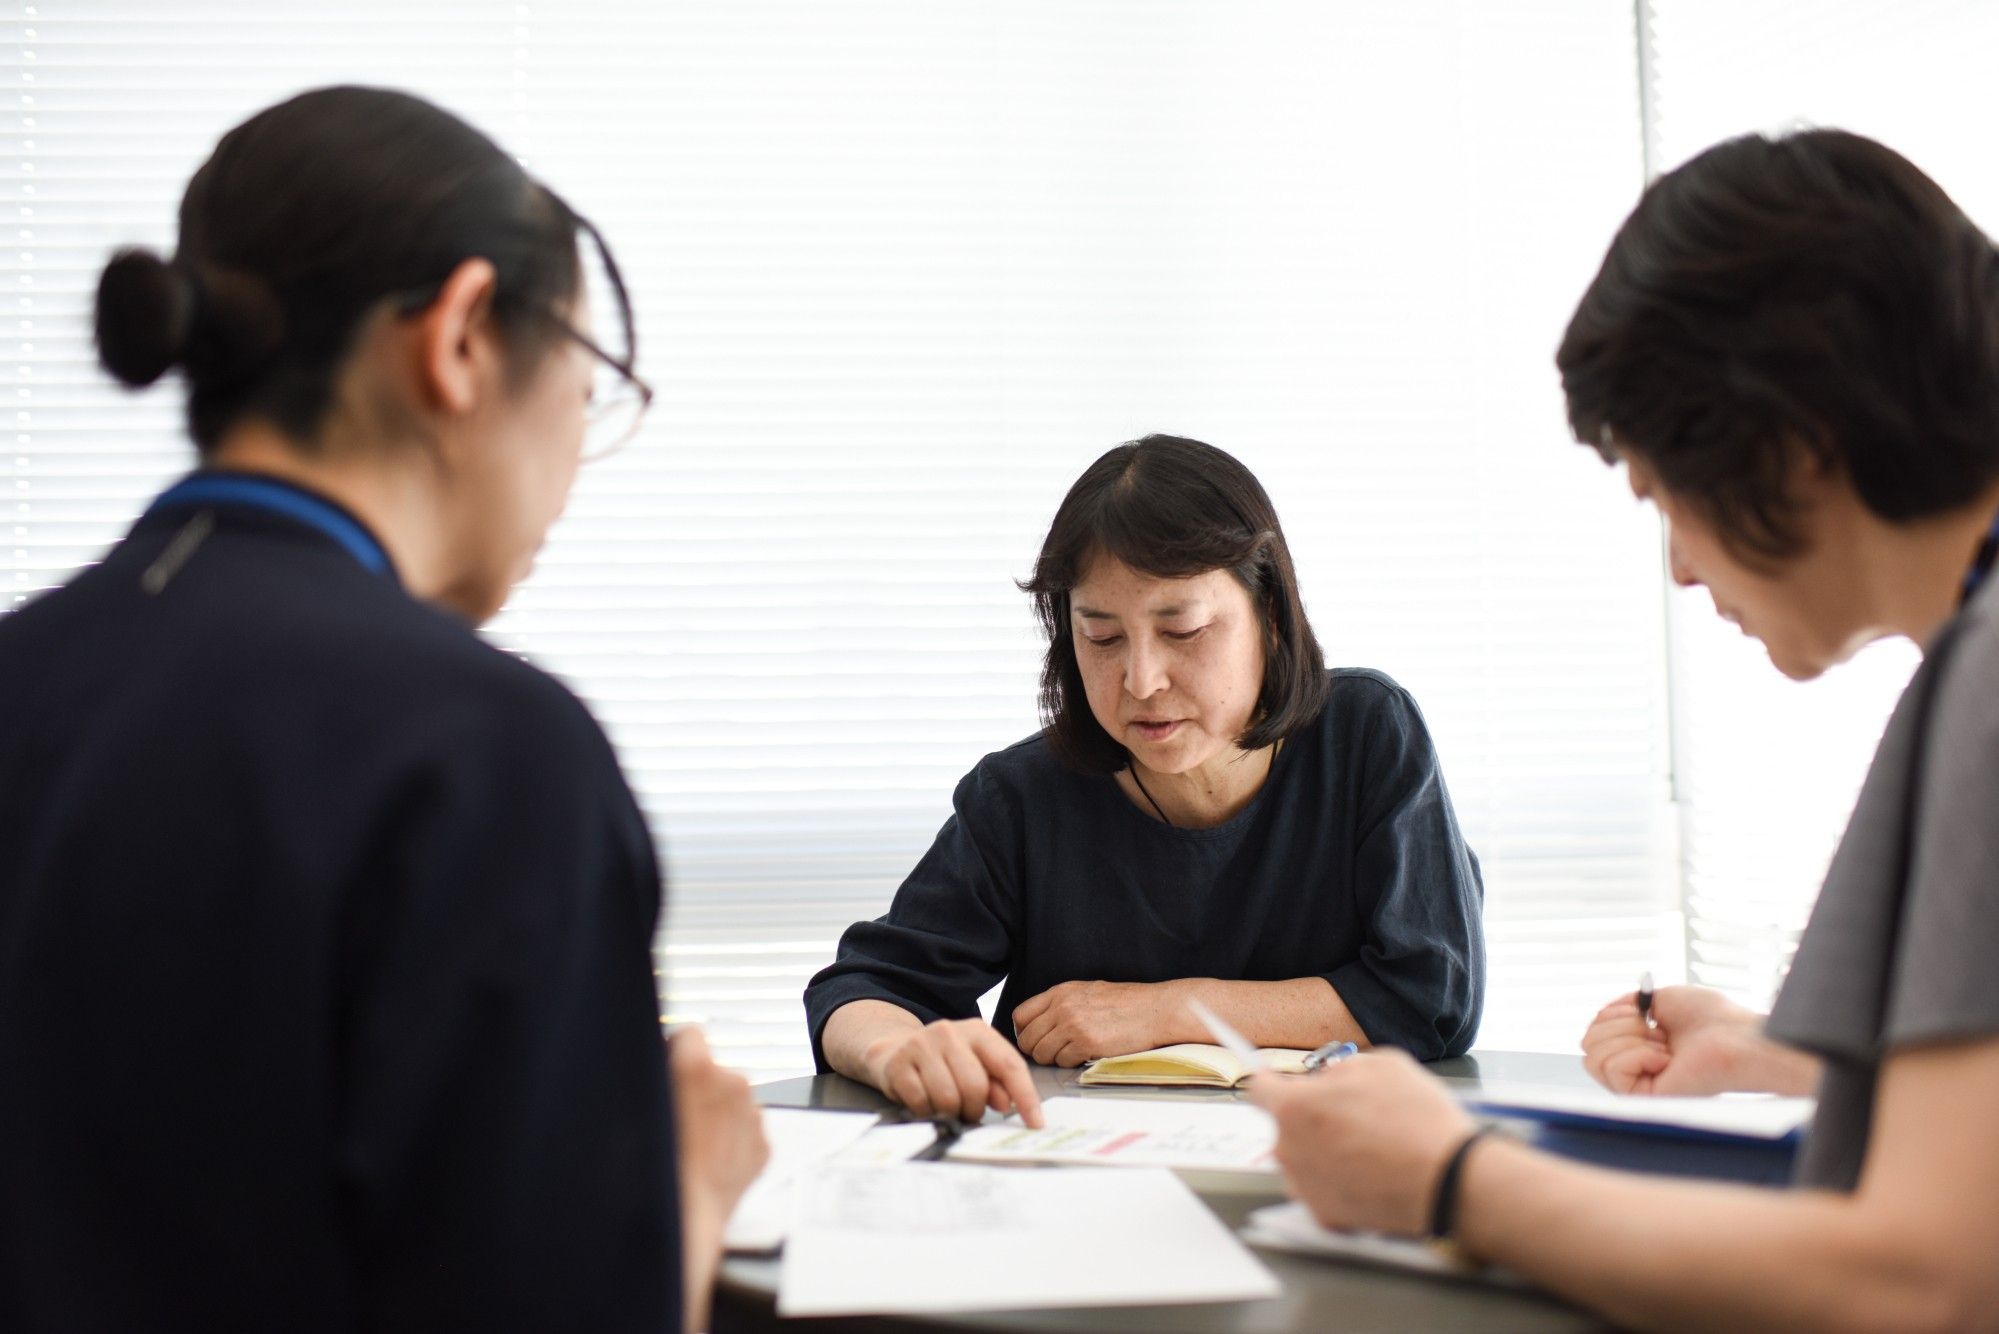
1768,771
902,269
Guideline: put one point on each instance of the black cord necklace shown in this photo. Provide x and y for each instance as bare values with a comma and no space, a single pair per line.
1275,751
1133,771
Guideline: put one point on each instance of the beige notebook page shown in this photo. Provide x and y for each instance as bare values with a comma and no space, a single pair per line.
1199,1057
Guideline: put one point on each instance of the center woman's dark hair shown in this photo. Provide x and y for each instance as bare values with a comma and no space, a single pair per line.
305,219
1807,299
1172,507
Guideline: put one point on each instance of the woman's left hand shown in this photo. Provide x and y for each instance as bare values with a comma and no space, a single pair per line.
1075,1022
1363,1142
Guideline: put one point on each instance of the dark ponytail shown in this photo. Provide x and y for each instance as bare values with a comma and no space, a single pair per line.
305,219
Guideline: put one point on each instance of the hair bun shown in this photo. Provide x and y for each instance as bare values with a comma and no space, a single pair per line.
145,316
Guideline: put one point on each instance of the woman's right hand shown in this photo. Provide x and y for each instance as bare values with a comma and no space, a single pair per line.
1702,1043
720,1150
953,1067
721,1136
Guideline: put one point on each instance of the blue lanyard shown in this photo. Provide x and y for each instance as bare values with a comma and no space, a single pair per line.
1981,564
210,488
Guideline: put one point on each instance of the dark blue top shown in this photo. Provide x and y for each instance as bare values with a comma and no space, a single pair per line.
1347,865
326,996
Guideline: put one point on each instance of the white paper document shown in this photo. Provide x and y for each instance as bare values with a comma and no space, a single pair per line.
1749,1116
1291,1227
1127,1132
929,1237
798,1138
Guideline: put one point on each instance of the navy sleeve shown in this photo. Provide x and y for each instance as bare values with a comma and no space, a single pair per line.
502,1118
1419,983
949,933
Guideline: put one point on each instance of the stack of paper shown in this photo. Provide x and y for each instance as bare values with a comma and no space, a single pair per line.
1124,1132
929,1237
798,1138
1291,1227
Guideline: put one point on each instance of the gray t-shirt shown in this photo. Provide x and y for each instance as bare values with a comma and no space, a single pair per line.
1903,943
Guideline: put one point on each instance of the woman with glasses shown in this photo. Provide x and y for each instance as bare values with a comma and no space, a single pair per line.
326,988
1792,349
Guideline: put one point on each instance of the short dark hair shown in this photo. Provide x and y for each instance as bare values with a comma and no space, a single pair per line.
1172,507
302,221
1813,297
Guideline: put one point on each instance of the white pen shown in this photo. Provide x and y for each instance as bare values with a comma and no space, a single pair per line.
1645,998
1218,1028
1241,1047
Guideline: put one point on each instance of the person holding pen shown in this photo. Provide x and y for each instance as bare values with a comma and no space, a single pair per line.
326,981
1686,1041
1208,813
1792,348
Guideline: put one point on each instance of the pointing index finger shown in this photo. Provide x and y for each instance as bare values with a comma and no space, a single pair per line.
1004,1064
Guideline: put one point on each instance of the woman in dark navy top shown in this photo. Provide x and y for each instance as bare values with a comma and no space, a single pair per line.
1208,813
326,997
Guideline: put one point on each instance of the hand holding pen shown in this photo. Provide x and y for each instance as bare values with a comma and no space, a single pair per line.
1677,1040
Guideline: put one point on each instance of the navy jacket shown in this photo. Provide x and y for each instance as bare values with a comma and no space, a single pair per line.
326,995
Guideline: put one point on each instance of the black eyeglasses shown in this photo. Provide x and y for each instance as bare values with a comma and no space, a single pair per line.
619,398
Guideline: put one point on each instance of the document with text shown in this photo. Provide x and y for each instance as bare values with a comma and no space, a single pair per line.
1129,1132
798,1138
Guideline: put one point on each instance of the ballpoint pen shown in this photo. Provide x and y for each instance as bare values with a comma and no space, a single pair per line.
1330,1054
1645,997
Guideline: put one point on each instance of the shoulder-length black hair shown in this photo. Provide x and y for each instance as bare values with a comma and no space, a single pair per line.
1813,298
1172,507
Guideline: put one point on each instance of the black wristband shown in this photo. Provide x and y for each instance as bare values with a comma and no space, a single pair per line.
1444,1204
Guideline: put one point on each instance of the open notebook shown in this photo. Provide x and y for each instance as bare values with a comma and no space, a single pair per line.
1193,1064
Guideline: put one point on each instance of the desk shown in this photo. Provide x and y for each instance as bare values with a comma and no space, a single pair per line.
1318,1296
